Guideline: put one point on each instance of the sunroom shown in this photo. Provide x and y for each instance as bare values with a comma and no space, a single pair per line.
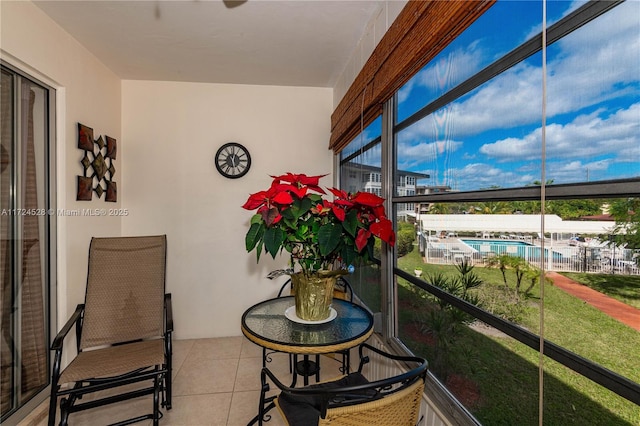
504,137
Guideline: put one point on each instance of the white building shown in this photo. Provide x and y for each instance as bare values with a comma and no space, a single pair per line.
361,177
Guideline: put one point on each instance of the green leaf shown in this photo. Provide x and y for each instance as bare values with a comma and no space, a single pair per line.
307,202
299,208
273,239
301,232
350,223
328,238
348,255
259,251
254,234
288,215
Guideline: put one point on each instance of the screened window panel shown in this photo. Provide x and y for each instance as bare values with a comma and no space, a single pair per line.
487,39
467,145
478,136
361,161
593,102
363,140
360,170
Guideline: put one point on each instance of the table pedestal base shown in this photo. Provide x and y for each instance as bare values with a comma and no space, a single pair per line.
305,368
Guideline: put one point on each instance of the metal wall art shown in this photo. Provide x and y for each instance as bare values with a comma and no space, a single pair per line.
97,162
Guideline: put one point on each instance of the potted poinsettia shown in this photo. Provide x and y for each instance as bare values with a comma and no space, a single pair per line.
322,236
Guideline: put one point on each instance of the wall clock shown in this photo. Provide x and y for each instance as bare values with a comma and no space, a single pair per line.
233,160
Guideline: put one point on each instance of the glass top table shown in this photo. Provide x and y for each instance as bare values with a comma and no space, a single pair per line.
266,325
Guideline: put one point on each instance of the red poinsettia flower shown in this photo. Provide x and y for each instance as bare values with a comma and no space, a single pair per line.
265,199
362,239
340,213
317,233
302,181
383,229
339,194
367,199
255,200
322,208
378,211
342,198
278,196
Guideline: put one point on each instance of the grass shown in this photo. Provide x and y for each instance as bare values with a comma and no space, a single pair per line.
505,372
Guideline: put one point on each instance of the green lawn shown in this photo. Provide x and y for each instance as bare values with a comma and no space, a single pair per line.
504,373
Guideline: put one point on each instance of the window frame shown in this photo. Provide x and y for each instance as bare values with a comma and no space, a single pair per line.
617,188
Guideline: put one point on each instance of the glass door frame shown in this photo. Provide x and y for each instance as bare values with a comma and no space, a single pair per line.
20,409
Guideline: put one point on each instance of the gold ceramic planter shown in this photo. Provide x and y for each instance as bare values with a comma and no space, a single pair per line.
313,295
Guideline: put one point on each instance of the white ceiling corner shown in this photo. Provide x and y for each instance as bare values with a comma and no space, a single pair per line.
262,42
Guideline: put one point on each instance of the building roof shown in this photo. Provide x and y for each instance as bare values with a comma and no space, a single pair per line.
508,223
366,167
601,217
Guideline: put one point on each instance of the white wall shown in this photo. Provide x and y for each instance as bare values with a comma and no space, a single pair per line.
167,135
170,185
87,92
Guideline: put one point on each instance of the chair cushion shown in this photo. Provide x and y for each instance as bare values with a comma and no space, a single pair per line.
305,410
114,361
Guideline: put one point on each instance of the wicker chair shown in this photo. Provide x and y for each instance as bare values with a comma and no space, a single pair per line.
352,399
123,330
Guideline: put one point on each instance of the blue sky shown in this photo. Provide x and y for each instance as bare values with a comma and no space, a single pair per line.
492,136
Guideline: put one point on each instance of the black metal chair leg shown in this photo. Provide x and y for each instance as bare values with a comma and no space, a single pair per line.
167,376
156,400
53,406
64,412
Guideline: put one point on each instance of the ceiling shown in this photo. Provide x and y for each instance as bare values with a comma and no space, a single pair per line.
263,42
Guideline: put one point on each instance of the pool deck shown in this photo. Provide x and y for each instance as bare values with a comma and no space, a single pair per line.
615,309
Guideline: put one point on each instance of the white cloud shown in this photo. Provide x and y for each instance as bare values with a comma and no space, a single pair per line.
483,175
587,71
587,136
577,171
595,63
411,156
446,70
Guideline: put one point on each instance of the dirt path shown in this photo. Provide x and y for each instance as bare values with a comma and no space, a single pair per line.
615,309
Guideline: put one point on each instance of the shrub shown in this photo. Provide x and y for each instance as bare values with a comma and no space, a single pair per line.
405,238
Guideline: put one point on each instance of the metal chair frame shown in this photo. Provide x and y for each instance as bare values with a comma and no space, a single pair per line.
354,396
159,375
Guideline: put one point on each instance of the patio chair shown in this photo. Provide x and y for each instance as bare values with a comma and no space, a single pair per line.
352,399
123,331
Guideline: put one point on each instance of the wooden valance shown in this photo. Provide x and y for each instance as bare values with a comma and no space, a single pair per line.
421,31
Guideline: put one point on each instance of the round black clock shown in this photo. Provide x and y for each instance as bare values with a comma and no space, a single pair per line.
233,160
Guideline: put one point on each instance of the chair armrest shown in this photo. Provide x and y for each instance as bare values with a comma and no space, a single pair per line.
419,370
75,317
274,379
405,358
168,312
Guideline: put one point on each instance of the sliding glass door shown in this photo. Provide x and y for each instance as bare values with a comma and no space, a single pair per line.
26,238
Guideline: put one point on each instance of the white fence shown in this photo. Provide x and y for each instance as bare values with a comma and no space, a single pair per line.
560,257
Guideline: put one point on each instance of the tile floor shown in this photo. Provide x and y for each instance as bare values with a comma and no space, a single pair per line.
215,382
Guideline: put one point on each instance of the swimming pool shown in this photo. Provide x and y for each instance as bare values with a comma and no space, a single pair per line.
515,248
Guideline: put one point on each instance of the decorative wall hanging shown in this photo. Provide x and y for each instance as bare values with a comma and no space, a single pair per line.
97,163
